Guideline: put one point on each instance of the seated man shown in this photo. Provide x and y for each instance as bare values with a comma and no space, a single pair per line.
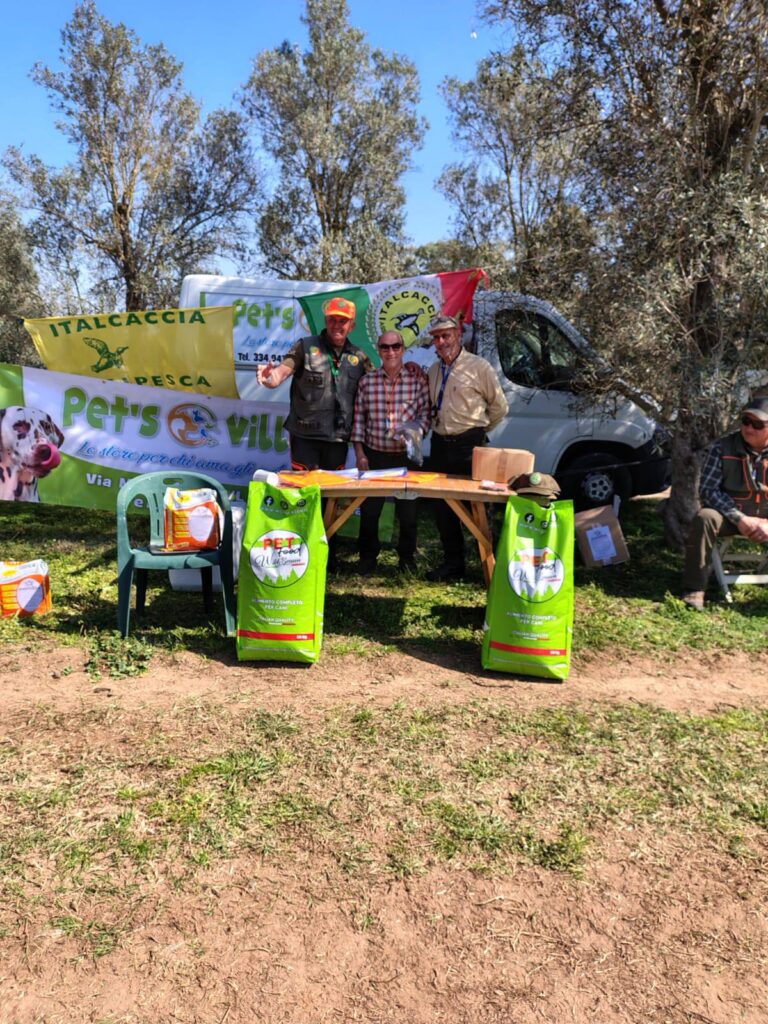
394,395
734,497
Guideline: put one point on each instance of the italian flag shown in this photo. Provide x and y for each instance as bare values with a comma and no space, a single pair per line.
406,305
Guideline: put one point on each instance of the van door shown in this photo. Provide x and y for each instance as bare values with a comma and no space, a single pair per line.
536,363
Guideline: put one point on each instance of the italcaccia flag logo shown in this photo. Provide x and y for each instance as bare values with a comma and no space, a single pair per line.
405,309
107,358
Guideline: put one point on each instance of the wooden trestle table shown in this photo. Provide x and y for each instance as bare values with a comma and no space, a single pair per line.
454,490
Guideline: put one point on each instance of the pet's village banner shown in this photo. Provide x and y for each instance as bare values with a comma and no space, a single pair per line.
186,350
73,440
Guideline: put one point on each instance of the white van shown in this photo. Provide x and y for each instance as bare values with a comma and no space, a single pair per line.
594,453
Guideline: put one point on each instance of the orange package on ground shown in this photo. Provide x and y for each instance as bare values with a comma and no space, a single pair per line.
25,588
191,519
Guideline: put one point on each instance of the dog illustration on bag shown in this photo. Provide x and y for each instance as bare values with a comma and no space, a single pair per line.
29,449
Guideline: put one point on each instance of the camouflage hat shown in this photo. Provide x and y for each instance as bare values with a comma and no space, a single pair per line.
758,407
535,483
443,323
340,307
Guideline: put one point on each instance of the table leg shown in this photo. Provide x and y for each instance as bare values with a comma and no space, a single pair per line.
477,524
333,522
487,558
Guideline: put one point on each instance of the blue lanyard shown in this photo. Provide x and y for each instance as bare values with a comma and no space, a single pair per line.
446,371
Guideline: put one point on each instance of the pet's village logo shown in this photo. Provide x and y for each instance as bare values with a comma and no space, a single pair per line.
192,425
405,310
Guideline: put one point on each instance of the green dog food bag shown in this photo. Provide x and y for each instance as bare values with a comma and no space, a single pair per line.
529,615
281,587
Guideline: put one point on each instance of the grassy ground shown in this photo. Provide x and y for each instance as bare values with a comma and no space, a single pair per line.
112,816
628,608
380,794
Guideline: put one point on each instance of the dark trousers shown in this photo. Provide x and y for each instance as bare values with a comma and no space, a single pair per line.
369,544
309,453
703,533
452,455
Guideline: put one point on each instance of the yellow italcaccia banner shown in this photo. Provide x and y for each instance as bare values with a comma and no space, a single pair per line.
182,349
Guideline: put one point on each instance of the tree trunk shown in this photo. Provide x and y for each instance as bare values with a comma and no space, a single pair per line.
135,297
683,502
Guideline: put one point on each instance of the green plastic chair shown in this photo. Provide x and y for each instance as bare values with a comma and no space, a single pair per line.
151,487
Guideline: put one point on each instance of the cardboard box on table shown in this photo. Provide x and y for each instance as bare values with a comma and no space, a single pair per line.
599,536
500,464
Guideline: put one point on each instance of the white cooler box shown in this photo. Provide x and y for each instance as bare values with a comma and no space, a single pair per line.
189,579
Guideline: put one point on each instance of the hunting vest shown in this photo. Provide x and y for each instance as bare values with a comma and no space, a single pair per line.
323,391
745,476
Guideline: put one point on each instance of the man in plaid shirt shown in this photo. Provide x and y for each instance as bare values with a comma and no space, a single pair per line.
733,489
387,398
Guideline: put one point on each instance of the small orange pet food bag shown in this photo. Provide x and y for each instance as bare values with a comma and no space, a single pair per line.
191,519
25,588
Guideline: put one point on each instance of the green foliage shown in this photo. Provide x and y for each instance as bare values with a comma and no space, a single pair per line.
19,288
152,192
517,196
673,186
119,657
340,123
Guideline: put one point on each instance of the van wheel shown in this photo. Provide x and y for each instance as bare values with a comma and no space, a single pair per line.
593,480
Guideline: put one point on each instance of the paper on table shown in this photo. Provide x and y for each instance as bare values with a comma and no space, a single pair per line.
383,474
601,542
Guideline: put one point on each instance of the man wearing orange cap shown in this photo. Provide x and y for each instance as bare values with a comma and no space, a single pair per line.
326,370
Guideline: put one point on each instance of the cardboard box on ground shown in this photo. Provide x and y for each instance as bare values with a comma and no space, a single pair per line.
500,464
600,538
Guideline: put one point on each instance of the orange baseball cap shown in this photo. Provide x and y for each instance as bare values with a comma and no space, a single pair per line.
340,307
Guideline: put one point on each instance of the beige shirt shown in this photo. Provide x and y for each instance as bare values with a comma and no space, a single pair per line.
472,396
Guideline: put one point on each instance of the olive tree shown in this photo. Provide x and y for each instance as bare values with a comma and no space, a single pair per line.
152,192
19,287
517,194
674,184
340,124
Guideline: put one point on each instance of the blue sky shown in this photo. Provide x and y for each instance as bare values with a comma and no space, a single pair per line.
216,43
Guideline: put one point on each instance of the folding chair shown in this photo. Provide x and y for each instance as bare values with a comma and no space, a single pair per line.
737,565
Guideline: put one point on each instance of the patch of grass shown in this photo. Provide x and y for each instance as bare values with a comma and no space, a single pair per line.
464,828
384,791
100,939
565,853
631,607
119,657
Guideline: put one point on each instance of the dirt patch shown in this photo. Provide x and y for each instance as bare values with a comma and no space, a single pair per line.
60,679
660,929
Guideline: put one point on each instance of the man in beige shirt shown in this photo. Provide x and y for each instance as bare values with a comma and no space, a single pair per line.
467,402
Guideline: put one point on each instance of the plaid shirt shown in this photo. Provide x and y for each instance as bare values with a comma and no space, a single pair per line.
711,490
382,404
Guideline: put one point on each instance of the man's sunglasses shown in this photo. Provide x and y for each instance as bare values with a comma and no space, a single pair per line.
749,421
391,348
